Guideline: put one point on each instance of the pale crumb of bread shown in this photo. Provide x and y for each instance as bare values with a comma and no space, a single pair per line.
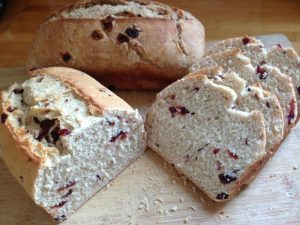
181,199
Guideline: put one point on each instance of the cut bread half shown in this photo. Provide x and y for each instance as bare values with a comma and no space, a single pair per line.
250,47
288,62
64,137
250,99
268,77
194,125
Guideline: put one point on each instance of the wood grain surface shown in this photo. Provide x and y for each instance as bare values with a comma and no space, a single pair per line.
151,192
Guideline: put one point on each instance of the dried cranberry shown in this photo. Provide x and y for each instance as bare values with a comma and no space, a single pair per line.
45,128
108,23
66,56
291,111
34,68
68,185
121,135
67,194
3,117
262,73
98,177
279,46
246,141
173,96
221,76
298,90
227,178
268,105
60,218
111,123
10,109
178,110
216,150
122,38
232,155
133,32
61,204
246,40
187,158
18,91
97,35
55,134
219,165
64,132
263,62
36,120
222,196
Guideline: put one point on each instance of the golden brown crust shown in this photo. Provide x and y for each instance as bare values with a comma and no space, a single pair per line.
18,155
94,94
161,54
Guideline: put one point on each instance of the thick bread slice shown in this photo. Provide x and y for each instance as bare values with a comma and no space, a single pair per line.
193,125
268,77
250,47
252,99
64,137
137,44
288,62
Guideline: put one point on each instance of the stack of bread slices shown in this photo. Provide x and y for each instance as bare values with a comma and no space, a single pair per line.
220,124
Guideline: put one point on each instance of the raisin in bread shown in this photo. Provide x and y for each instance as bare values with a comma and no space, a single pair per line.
288,62
250,99
193,125
64,137
268,77
250,47
125,44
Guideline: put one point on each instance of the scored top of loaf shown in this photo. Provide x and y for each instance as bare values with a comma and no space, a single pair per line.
118,8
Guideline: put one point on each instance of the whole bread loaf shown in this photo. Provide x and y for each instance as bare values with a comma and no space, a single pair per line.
195,125
138,44
64,137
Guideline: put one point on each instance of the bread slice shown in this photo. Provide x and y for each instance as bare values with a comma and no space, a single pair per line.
193,124
250,47
268,77
64,137
288,62
252,99
128,45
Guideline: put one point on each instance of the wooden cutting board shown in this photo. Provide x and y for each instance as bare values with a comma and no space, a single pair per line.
152,192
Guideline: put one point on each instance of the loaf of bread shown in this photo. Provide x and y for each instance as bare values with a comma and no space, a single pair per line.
138,44
251,98
269,77
64,137
195,125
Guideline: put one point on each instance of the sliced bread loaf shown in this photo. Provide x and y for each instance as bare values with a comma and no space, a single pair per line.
64,137
250,47
250,99
268,77
194,125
